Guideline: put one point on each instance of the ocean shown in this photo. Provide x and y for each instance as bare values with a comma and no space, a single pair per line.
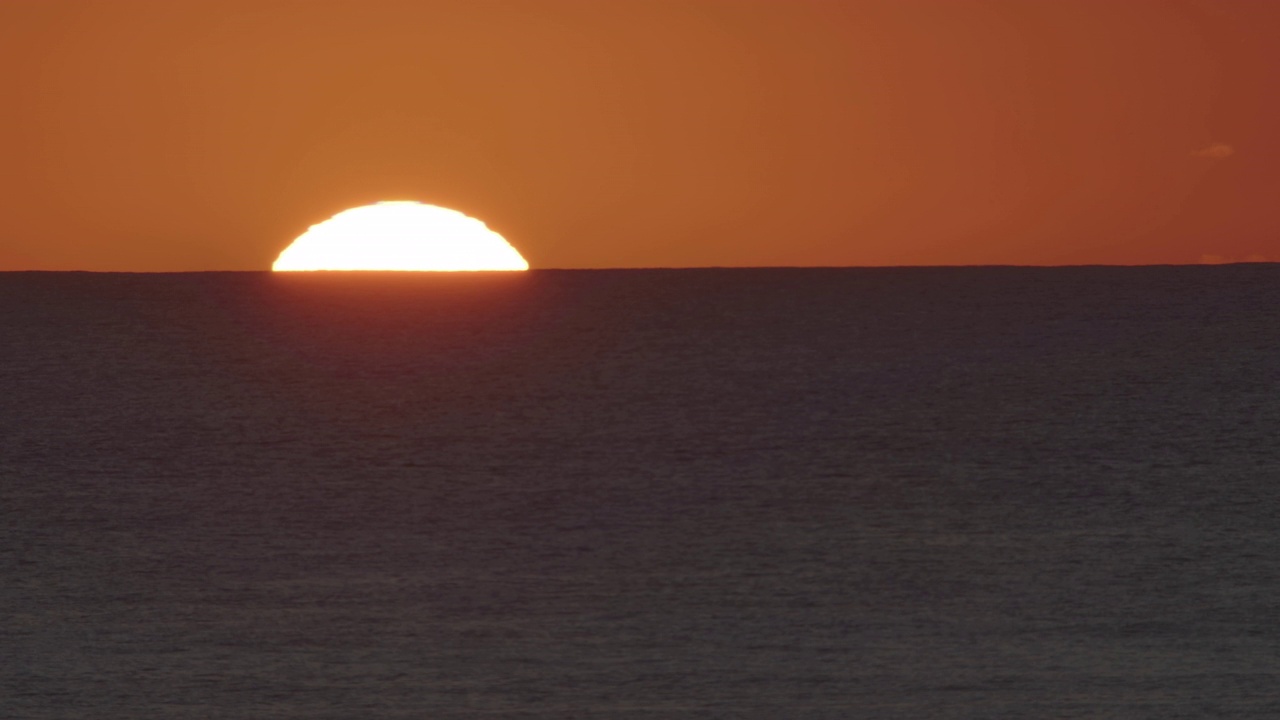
916,493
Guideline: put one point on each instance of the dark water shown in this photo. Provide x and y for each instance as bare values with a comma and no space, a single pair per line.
898,493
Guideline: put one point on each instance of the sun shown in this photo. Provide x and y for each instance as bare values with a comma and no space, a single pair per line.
400,235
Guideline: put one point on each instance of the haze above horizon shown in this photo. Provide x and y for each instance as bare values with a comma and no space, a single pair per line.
156,136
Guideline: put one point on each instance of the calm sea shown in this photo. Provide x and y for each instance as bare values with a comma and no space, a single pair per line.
847,493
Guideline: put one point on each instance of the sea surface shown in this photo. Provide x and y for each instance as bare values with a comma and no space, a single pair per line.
782,493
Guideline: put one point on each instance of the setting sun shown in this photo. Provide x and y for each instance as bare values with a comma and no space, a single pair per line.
400,236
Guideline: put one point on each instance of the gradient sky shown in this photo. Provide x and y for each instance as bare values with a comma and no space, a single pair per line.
207,134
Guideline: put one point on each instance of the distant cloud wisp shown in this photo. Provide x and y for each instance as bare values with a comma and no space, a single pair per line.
1216,151
1229,260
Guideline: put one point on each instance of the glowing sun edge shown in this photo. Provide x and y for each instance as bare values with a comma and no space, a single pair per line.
400,236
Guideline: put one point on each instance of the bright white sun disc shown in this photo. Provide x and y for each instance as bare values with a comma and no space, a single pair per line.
400,236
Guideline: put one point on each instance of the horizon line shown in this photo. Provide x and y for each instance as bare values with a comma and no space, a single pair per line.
268,271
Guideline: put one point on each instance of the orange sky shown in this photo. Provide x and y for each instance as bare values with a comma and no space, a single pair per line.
207,134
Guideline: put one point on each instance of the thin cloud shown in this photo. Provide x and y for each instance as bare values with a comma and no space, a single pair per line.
1230,260
1216,151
